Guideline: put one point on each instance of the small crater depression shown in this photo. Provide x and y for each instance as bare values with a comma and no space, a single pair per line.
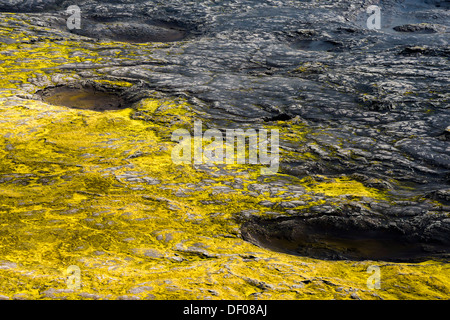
132,31
330,240
87,97
316,45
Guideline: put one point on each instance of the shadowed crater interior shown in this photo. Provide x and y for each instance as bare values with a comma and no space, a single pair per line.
335,238
124,29
89,97
316,45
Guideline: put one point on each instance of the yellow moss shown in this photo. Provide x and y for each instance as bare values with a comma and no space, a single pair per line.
344,186
25,60
115,83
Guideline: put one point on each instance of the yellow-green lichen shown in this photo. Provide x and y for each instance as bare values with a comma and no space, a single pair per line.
344,186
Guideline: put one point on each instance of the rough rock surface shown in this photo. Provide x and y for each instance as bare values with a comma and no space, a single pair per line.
363,118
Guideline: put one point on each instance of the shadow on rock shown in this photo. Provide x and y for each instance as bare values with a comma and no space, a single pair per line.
345,238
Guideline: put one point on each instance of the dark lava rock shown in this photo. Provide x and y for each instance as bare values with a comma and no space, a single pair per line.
422,27
29,5
442,195
446,135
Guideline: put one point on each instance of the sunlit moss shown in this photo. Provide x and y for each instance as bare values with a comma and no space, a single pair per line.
344,186
123,84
